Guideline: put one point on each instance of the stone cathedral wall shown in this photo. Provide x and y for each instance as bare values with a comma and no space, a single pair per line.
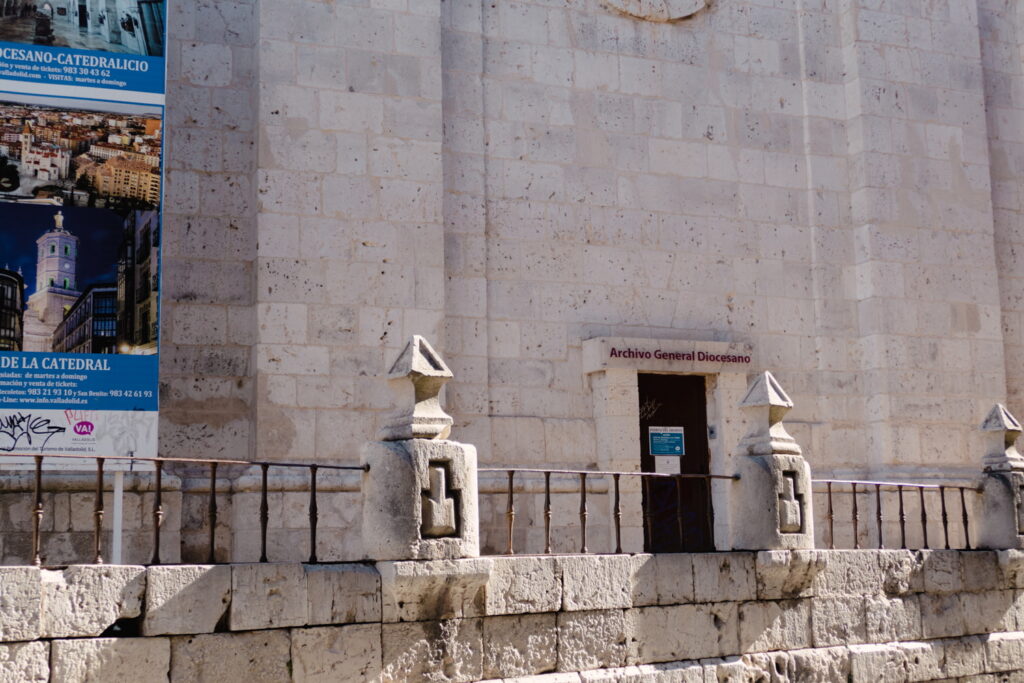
781,616
835,184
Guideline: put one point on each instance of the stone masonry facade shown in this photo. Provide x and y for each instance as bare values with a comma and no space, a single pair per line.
775,615
833,184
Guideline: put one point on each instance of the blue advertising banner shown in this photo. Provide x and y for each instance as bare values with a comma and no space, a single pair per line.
81,175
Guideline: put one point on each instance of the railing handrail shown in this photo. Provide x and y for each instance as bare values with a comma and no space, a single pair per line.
609,473
158,511
897,484
201,461
897,488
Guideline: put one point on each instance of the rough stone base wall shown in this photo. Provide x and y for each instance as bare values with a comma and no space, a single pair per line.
771,616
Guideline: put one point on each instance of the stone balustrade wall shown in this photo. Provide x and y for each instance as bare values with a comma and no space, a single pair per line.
786,615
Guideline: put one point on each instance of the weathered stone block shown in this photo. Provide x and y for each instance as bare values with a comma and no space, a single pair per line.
989,611
663,579
768,625
963,656
838,621
432,590
942,571
591,582
267,596
1005,651
185,599
520,585
822,665
219,657
336,653
923,660
719,577
662,634
343,593
110,659
20,603
942,615
520,645
890,619
872,663
1011,567
849,573
668,672
902,571
25,662
85,600
448,651
787,573
980,571
591,640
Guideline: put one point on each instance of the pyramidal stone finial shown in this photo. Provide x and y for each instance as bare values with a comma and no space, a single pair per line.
766,402
1002,430
417,378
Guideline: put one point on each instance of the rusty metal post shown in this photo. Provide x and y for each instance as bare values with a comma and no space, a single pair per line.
37,512
547,513
924,515
211,555
831,520
314,514
945,517
963,510
98,515
878,515
583,513
158,510
510,512
618,517
903,521
264,511
856,519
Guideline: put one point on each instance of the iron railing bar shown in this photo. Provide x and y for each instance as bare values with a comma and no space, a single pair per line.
583,512
314,513
37,511
212,513
158,512
510,512
201,461
264,512
98,515
538,470
547,513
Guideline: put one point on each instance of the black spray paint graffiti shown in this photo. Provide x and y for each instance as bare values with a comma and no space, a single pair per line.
26,431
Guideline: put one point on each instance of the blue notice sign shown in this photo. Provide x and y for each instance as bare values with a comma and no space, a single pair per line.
666,440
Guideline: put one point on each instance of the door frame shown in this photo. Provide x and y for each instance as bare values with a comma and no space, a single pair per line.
613,365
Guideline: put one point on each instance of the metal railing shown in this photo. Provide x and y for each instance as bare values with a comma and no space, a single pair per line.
874,490
583,476
158,509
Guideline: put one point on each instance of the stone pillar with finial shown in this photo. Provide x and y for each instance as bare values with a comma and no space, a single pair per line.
772,508
1002,519
419,489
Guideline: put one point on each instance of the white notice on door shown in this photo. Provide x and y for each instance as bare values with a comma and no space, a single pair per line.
667,464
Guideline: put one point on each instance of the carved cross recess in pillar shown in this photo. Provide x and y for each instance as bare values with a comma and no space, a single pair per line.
791,505
439,504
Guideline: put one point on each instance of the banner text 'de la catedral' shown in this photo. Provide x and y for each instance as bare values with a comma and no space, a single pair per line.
81,180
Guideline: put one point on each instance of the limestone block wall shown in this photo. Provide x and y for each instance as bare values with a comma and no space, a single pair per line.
67,528
209,236
788,616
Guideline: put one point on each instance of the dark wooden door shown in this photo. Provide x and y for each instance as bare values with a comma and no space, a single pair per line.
668,402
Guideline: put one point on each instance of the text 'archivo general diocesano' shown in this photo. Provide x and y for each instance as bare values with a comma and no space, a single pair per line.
699,356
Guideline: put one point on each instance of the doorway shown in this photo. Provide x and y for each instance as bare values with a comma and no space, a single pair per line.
674,440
